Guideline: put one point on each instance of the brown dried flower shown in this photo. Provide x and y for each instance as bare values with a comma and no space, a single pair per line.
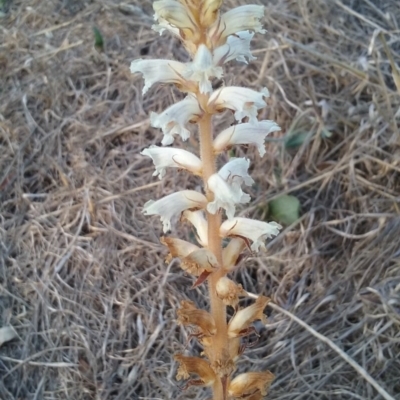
196,366
251,384
229,292
189,314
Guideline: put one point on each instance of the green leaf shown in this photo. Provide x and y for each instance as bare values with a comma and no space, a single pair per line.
296,139
285,209
98,39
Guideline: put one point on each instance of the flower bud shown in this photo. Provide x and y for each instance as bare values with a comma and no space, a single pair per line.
209,12
231,253
229,292
197,366
241,321
251,383
189,314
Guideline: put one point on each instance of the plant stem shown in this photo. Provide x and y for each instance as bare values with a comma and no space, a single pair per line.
218,309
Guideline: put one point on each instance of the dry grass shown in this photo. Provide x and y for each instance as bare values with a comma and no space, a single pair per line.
82,277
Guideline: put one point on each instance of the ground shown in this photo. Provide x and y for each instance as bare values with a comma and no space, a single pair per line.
82,272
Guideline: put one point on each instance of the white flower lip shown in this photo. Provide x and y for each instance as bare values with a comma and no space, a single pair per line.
245,102
237,47
238,19
174,119
256,231
166,71
245,134
198,220
226,186
164,157
174,204
202,69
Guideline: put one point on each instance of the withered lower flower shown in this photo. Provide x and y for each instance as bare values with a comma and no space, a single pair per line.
229,292
194,260
202,320
241,321
251,384
196,366
177,247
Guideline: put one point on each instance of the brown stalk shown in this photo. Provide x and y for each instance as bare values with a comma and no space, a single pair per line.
218,309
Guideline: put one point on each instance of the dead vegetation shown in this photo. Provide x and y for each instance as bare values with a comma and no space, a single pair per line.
83,280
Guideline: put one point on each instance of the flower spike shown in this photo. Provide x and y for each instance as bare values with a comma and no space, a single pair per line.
212,39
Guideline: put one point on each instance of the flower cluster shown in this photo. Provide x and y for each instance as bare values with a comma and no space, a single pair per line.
212,39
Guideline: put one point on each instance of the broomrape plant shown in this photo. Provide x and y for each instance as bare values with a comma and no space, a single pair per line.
212,39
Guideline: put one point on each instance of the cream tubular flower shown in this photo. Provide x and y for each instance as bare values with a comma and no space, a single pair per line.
237,47
198,220
238,19
174,119
245,102
164,157
226,186
174,16
174,204
202,69
245,134
256,231
165,71
231,253
241,321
